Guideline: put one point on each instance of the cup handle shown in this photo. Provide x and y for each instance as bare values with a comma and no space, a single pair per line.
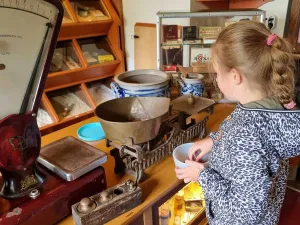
181,82
117,89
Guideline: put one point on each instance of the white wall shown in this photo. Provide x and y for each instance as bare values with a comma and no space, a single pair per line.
278,8
144,11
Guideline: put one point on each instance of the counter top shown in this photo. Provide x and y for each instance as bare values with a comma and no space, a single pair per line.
156,185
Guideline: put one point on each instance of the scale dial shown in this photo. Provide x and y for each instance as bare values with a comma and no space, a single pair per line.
28,35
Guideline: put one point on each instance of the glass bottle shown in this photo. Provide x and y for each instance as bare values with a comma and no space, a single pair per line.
179,204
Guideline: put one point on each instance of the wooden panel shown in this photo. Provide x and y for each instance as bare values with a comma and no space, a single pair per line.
47,129
114,36
197,220
147,216
66,122
215,5
204,222
70,10
118,4
233,4
79,53
71,119
293,22
82,30
145,46
290,209
77,76
138,221
48,107
87,95
242,4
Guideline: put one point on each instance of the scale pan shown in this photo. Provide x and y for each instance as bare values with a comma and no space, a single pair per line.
132,120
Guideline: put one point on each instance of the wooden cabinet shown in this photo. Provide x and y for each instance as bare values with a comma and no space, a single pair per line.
189,214
138,221
88,51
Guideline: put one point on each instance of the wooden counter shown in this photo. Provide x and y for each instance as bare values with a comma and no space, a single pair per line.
156,185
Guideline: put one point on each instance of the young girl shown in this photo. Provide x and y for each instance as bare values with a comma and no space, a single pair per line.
246,179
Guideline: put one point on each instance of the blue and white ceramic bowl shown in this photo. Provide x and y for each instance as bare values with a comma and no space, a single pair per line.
191,84
141,83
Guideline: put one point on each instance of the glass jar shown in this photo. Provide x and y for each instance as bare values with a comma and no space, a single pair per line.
179,204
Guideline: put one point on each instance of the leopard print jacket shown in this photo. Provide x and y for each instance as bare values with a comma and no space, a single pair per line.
246,181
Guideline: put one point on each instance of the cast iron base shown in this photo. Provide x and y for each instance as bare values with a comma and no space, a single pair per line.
55,200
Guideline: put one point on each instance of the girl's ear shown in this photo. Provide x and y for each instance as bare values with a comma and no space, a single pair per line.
236,76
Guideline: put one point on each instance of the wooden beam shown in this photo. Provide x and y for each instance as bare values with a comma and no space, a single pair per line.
118,5
250,4
233,4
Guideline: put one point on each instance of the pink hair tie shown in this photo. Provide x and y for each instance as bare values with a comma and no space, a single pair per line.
290,105
270,39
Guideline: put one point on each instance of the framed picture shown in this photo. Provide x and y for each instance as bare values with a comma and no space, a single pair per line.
199,54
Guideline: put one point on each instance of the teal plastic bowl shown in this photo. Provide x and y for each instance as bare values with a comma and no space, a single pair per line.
180,154
91,132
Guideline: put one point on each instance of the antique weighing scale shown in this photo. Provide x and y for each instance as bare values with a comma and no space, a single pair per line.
30,192
142,130
160,127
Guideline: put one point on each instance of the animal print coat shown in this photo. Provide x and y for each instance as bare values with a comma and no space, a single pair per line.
246,181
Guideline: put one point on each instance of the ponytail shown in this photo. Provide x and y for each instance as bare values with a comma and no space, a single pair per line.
264,58
283,66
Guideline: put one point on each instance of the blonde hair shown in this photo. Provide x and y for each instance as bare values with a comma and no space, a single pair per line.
243,46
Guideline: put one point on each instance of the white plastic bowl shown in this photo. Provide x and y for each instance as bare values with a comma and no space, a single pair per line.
180,154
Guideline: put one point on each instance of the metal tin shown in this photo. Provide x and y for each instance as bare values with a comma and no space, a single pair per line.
71,158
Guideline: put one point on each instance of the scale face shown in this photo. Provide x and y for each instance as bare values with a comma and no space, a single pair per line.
28,35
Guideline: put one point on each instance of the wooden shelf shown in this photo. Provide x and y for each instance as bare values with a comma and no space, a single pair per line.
66,122
79,29
85,29
74,41
72,77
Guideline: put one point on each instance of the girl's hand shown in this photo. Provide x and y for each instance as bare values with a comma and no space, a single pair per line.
204,146
191,172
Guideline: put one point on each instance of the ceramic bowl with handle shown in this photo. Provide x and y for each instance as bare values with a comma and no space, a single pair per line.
180,154
141,83
191,84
